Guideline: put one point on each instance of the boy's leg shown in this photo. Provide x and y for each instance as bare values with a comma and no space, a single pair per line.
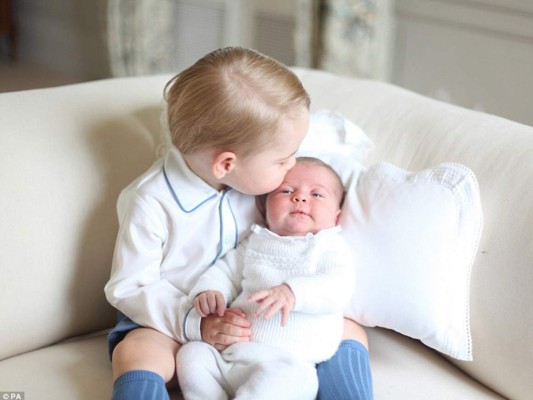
143,362
347,375
201,372
139,384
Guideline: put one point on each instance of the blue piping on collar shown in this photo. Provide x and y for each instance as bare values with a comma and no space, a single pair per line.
220,229
176,197
221,222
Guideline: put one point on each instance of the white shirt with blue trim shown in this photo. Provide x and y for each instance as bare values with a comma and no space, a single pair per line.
173,226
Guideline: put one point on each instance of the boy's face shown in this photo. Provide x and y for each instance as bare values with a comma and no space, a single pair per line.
262,172
306,202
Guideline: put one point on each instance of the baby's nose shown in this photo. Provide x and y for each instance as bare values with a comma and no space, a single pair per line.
299,198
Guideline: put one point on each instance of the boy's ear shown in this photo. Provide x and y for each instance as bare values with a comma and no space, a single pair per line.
223,164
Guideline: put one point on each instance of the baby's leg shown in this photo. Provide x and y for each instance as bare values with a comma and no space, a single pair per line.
142,363
201,372
269,373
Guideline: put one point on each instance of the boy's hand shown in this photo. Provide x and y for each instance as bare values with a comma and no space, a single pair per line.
274,299
223,331
210,302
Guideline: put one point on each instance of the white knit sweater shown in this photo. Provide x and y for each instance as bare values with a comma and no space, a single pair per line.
319,270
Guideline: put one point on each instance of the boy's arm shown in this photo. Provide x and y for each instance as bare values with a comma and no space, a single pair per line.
136,287
331,287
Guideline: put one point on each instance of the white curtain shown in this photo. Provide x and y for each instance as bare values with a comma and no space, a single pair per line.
140,36
349,37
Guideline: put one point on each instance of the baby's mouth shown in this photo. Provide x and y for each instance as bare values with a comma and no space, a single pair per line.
299,212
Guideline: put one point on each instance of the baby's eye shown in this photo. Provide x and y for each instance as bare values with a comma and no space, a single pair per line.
286,191
317,195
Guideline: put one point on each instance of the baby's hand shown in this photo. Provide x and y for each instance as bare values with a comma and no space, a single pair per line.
210,302
274,299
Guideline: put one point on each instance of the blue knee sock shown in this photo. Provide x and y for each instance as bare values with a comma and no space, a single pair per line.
145,385
347,375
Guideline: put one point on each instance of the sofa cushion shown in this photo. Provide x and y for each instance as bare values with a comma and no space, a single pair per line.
80,369
404,370
77,369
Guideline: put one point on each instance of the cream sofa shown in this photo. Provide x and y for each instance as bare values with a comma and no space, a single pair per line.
66,152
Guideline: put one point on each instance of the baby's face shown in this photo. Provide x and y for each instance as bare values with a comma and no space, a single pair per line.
307,201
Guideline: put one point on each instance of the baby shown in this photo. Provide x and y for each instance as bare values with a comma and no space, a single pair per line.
293,280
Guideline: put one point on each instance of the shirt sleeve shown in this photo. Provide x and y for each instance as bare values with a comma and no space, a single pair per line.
330,288
136,287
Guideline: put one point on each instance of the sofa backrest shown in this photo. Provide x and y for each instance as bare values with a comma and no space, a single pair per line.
65,154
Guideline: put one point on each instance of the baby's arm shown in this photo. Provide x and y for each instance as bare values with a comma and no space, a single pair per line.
221,329
330,288
225,277
210,302
277,298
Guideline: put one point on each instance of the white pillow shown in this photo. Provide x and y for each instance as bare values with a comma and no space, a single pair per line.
332,135
414,236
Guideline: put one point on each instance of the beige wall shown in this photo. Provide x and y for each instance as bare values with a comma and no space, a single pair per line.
68,35
474,53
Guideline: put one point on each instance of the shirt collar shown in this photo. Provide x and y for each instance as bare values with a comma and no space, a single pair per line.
188,189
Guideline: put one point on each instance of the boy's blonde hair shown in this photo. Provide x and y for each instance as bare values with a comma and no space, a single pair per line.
231,99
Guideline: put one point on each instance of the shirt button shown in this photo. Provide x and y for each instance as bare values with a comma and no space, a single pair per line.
228,241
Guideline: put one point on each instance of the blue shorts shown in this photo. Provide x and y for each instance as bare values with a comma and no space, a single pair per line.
118,333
